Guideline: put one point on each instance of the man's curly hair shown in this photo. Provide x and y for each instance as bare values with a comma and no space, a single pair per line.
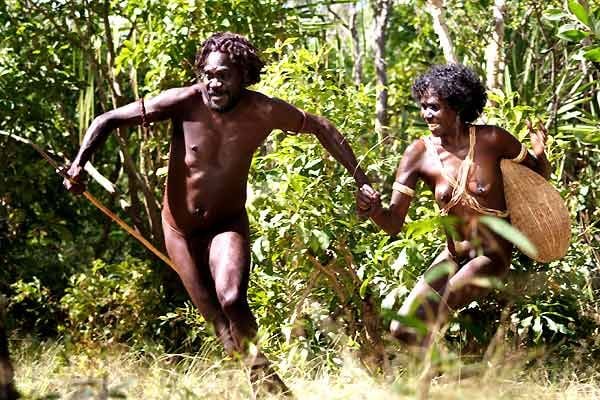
458,85
240,51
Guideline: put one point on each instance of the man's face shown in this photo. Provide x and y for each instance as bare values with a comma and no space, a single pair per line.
223,81
439,116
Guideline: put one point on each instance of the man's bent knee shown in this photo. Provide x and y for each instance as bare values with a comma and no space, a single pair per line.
232,299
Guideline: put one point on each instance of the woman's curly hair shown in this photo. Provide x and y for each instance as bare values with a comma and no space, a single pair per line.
240,51
458,85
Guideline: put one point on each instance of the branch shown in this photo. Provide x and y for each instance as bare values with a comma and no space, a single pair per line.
89,168
436,9
337,16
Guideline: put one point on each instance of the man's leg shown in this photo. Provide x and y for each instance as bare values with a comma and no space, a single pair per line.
190,258
464,287
229,261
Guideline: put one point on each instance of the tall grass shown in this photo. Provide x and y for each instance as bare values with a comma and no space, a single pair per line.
55,371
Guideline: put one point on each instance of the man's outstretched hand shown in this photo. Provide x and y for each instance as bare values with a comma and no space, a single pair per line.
368,201
74,183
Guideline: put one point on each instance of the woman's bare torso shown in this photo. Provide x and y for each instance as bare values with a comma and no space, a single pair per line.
484,183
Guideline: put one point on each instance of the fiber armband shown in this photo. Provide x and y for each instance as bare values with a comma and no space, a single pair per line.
521,156
397,186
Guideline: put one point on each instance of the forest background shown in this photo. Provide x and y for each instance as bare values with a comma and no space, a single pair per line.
324,283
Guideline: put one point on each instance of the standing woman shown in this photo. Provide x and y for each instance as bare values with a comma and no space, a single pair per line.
460,163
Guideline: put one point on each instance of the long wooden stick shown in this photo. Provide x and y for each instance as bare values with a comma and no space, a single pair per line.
102,208
129,229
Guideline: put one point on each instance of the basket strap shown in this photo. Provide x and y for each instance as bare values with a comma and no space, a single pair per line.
460,192
431,148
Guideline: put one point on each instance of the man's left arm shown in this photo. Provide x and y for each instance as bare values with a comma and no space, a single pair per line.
289,118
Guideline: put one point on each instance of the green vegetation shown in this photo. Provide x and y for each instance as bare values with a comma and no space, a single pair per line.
75,279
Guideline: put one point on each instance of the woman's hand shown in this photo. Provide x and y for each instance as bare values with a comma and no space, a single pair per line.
368,201
538,138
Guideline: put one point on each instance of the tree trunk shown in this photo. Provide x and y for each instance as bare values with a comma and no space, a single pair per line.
495,51
436,9
7,388
137,181
352,29
357,70
382,11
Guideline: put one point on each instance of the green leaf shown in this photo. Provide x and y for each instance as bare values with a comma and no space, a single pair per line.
412,322
257,249
593,54
553,14
322,238
364,286
442,269
580,12
421,227
569,32
510,233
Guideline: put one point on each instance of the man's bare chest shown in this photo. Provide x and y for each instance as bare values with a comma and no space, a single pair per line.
222,143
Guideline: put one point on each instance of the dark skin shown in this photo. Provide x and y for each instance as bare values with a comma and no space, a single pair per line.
217,127
491,256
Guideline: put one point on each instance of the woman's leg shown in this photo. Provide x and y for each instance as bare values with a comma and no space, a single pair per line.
423,301
432,301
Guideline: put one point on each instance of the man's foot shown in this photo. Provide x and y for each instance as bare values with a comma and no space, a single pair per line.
226,340
264,379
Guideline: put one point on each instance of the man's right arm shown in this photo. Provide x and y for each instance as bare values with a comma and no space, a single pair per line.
164,106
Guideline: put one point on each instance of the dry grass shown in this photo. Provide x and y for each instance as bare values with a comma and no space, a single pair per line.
50,371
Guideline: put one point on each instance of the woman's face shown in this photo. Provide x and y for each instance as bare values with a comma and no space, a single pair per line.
440,117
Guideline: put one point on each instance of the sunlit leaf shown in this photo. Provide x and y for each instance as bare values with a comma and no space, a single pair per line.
570,33
593,54
445,268
554,14
579,11
364,286
510,233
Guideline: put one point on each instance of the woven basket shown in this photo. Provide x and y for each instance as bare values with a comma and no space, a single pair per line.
537,210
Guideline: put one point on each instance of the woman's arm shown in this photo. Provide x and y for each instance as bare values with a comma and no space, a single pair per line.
391,219
535,160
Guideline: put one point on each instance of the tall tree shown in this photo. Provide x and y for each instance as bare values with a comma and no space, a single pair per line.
436,9
382,14
357,70
351,26
495,48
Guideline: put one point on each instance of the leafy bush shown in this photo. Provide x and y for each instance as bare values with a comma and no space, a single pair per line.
114,302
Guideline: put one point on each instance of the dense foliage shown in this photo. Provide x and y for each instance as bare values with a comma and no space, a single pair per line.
319,273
